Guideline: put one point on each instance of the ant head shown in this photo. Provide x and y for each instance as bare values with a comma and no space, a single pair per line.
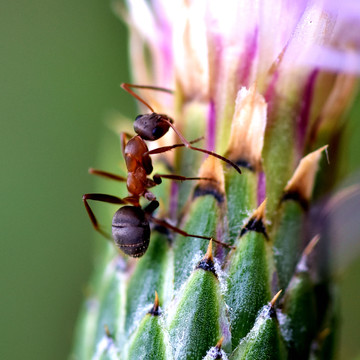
152,126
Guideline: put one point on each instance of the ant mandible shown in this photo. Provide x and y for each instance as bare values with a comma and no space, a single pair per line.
130,224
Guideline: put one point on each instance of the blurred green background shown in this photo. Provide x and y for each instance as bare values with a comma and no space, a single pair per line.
61,66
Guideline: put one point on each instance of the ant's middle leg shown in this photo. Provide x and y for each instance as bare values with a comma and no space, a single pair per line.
157,178
103,198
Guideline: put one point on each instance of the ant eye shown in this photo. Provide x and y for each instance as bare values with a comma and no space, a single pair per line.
157,132
138,117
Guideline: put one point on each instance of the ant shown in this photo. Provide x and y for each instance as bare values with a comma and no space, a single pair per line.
130,224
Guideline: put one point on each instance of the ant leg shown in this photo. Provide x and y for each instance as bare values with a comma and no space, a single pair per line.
127,87
184,233
188,145
157,178
103,198
107,175
148,195
149,209
196,140
162,149
170,147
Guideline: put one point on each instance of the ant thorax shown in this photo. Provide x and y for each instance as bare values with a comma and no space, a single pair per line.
135,155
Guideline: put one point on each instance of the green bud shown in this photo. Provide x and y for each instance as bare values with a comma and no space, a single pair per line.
287,240
263,341
195,321
248,284
241,199
150,274
201,220
148,342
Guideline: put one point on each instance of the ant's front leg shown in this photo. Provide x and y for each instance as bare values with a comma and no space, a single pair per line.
163,149
103,198
107,175
189,146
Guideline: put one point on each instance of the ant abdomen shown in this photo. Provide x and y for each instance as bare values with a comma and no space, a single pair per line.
131,230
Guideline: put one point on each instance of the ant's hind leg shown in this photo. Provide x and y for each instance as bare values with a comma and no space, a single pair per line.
184,233
103,198
148,195
149,209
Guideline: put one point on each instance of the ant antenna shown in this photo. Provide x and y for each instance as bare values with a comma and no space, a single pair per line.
127,87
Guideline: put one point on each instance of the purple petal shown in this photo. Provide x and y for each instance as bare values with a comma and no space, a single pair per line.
334,59
261,190
211,127
304,115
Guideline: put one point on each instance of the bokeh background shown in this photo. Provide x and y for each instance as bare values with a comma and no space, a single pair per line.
61,66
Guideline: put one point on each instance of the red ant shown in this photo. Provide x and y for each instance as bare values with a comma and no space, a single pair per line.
130,224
